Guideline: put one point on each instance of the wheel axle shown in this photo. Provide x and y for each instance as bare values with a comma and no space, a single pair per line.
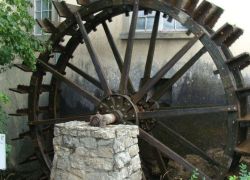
99,120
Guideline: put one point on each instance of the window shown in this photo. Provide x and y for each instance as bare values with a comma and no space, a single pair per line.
172,26
146,22
42,9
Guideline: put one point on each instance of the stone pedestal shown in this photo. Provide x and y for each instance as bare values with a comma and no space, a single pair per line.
83,152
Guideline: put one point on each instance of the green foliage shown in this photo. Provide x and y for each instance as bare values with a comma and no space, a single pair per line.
244,174
3,117
233,177
3,98
194,175
16,39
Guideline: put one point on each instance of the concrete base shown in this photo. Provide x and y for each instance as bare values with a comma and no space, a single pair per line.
93,153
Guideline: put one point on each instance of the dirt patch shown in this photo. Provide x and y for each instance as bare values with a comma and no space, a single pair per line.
177,172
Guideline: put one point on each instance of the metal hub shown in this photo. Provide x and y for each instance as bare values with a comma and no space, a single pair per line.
121,106
150,105
125,111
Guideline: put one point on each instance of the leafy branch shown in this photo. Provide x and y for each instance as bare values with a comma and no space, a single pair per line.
244,174
16,34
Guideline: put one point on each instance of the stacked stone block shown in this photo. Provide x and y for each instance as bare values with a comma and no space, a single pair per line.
93,153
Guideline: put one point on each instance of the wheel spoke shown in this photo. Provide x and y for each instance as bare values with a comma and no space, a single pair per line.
169,153
174,112
93,55
60,120
129,50
160,161
159,158
150,83
116,53
59,76
158,94
151,49
187,143
85,75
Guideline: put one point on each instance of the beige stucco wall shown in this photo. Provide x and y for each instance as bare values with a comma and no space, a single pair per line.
236,12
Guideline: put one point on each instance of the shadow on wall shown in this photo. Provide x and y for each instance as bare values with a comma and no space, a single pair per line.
199,86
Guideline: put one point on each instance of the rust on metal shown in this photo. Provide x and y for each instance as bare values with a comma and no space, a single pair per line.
102,120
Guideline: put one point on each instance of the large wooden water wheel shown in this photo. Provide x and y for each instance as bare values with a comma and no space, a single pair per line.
130,104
